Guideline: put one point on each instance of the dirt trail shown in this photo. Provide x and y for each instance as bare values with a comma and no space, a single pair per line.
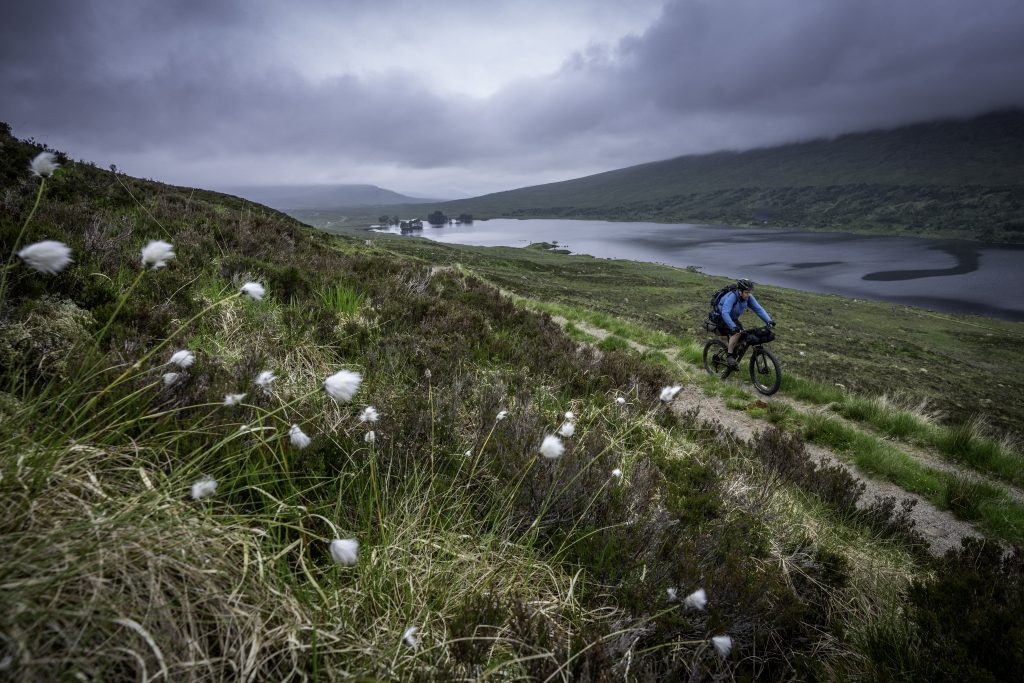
922,455
940,528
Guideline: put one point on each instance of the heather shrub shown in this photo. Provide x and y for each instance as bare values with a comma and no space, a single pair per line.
969,619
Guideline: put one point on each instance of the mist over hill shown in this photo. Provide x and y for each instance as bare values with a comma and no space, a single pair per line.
952,178
285,197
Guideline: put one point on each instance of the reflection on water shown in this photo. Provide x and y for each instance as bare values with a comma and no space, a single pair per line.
947,275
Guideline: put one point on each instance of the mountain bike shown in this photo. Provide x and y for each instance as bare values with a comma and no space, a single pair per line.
765,369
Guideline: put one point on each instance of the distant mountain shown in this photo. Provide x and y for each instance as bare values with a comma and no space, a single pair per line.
289,197
958,178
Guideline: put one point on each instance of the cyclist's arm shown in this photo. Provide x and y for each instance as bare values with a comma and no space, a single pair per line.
725,307
756,307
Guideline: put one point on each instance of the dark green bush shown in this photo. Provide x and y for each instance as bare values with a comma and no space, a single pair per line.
970,618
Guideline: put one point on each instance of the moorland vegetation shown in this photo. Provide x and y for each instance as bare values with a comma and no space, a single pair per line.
233,447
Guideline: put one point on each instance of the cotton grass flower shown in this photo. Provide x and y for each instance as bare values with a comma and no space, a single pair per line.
669,393
569,416
233,399
468,454
342,385
170,378
369,414
48,257
370,437
265,379
253,290
156,254
409,637
183,359
696,599
671,592
567,429
345,550
621,401
204,488
298,437
44,164
551,447
501,415
723,644
617,473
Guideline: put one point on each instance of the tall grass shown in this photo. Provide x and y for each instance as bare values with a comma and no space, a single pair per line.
965,443
342,299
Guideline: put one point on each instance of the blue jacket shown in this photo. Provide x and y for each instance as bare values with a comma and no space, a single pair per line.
732,306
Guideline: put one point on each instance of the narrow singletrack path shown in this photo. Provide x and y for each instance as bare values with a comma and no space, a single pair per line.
941,529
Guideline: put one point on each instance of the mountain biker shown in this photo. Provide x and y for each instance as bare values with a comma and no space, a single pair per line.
731,306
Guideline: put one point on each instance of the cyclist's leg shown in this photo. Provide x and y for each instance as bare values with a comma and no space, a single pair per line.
733,340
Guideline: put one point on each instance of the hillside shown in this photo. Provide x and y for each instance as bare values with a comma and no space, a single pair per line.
233,447
295,197
962,178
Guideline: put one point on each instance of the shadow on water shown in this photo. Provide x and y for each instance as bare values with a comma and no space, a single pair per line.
966,256
814,264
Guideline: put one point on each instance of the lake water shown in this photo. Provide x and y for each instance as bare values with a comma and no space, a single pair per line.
945,275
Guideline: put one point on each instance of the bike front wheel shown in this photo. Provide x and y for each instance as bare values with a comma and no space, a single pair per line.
716,358
765,371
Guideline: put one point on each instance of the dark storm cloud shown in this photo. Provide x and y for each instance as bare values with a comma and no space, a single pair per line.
187,80
757,72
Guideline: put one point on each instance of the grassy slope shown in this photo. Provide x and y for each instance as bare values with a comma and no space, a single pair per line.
964,367
951,178
509,565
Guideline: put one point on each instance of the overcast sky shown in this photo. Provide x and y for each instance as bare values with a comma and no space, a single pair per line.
462,97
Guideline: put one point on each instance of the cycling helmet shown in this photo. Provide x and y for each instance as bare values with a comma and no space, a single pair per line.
744,283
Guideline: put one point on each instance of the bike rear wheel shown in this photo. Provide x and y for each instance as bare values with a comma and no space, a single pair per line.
715,358
765,371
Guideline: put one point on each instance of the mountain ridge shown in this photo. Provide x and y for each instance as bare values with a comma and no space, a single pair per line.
331,196
959,178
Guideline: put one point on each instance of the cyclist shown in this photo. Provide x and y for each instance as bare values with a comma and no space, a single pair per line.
730,307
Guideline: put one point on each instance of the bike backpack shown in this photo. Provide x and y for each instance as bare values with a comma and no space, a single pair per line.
716,298
715,315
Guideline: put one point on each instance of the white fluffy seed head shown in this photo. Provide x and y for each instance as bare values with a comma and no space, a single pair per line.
48,257
409,637
345,550
44,164
298,437
723,644
669,393
569,415
369,414
551,447
468,454
253,290
617,473
157,253
183,358
170,378
501,415
697,599
370,437
265,379
621,401
204,488
671,592
342,385
233,399
567,429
